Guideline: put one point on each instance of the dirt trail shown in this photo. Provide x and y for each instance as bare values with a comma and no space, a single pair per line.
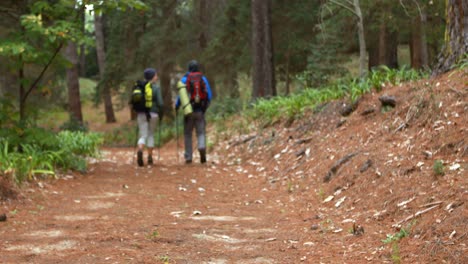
289,193
173,213
176,213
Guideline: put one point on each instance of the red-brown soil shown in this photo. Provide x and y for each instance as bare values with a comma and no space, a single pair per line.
265,200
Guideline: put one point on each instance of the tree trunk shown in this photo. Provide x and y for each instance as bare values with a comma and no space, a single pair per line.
22,92
165,81
82,47
74,101
382,43
456,36
205,9
288,57
101,56
386,51
82,61
418,43
373,56
203,17
362,41
262,47
166,63
391,52
134,30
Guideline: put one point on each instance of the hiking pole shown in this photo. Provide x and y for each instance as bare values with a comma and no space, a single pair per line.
136,144
159,139
177,136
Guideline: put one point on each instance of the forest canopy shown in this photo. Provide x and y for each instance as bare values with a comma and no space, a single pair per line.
277,46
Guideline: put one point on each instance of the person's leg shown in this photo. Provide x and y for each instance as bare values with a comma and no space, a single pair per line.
151,128
188,128
143,134
200,125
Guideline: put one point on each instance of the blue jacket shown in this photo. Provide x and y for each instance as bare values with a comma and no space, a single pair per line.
208,89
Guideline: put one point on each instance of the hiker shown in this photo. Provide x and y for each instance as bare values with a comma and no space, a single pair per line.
199,94
149,111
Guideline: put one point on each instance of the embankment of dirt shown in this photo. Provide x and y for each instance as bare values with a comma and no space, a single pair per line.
386,170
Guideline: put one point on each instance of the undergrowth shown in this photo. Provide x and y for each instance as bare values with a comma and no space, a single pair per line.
27,152
394,240
293,106
127,135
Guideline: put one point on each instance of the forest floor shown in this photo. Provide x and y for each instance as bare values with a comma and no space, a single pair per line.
373,187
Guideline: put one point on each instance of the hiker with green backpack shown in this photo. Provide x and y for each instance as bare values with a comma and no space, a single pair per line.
147,102
194,99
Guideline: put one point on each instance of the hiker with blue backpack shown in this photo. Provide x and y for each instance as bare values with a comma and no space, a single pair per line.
147,102
197,94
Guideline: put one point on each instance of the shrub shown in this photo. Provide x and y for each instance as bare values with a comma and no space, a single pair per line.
438,168
278,108
74,125
42,152
80,143
223,107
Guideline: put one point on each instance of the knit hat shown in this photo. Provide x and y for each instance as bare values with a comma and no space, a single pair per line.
149,73
193,66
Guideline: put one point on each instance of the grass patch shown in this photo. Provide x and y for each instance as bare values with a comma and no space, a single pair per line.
438,168
52,119
38,152
394,240
280,108
87,89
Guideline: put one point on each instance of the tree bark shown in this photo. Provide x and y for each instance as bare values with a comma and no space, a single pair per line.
203,17
74,101
205,10
373,55
133,33
456,36
82,61
262,48
22,92
362,40
83,48
388,47
101,55
386,51
356,10
288,83
418,43
165,81
165,62
391,59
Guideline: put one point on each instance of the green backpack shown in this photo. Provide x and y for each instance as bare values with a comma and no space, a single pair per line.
138,99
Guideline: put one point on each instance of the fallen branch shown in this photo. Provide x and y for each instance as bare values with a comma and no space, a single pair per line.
243,140
402,126
366,166
337,165
300,153
456,91
415,215
430,204
304,140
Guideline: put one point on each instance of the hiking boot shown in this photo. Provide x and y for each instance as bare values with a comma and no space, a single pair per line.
202,156
188,161
140,158
150,160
